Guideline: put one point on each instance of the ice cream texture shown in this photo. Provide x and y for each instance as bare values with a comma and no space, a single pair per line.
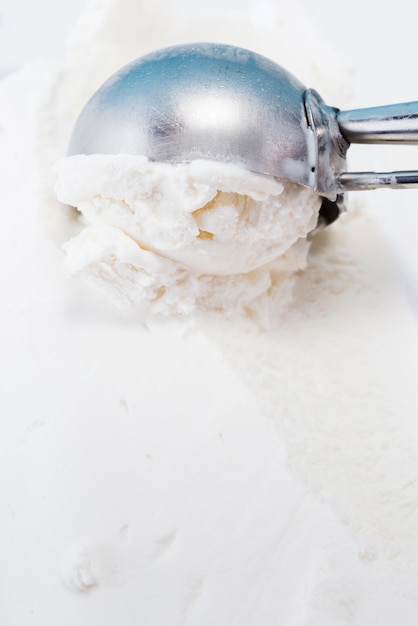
170,237
197,469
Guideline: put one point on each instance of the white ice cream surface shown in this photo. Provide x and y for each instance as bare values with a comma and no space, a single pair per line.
165,236
196,470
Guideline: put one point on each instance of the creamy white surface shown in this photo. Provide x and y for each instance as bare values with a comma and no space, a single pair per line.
145,467
172,237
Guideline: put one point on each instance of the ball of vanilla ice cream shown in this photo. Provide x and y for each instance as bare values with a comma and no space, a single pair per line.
172,237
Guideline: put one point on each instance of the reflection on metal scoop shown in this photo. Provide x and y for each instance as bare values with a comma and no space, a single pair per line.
219,102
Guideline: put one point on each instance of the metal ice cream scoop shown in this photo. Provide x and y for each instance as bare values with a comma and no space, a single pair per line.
223,103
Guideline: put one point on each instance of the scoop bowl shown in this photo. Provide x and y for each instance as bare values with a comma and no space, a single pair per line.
228,104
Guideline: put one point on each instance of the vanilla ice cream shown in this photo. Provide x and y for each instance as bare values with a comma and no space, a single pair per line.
252,465
169,236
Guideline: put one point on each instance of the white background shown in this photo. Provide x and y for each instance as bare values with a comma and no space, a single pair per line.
383,35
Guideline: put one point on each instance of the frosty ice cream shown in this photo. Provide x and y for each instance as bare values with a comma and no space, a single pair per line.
196,470
168,236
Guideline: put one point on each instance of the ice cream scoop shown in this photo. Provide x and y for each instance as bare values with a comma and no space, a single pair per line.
229,104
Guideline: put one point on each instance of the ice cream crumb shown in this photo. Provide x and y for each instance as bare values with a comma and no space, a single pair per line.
78,573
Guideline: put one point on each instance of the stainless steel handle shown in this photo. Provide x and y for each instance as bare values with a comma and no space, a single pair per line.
393,124
359,181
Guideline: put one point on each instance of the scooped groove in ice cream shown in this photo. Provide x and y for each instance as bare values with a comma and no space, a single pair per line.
172,237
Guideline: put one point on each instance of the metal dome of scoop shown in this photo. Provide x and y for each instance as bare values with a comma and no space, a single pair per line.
203,101
228,104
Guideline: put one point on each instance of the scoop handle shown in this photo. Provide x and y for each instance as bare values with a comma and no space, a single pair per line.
360,181
392,123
